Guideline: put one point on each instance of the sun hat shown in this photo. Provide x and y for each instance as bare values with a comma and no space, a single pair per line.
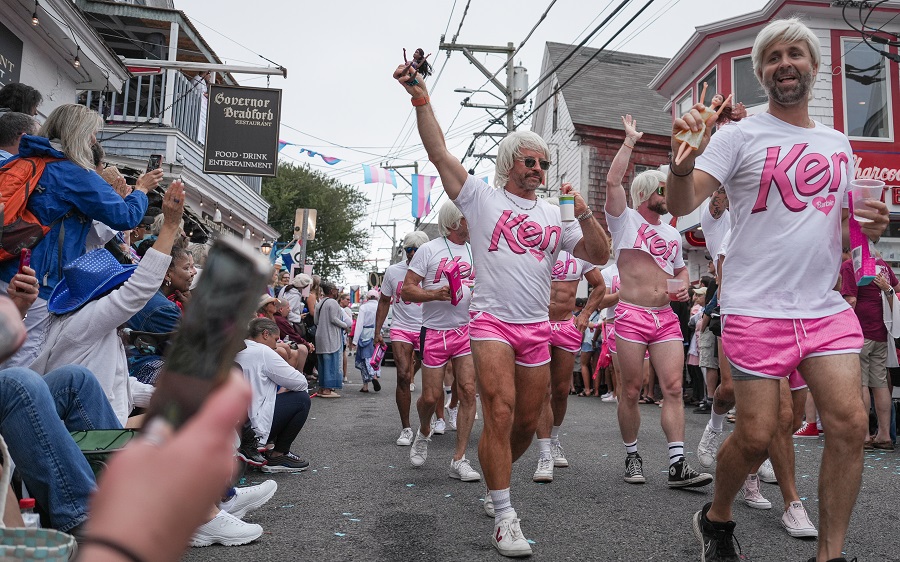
266,299
302,281
86,278
374,294
700,291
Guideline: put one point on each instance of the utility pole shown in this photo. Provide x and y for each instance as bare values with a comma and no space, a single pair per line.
508,89
393,236
415,167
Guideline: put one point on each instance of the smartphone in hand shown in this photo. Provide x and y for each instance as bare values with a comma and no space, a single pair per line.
154,162
211,332
24,259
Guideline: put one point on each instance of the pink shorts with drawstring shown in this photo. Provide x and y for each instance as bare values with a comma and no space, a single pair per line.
405,336
796,381
528,341
647,325
610,336
440,346
566,336
774,347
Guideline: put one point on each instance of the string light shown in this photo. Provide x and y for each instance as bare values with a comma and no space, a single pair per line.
34,17
77,62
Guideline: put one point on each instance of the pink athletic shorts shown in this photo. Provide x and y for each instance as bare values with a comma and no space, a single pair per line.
440,346
795,381
648,326
566,336
774,347
610,336
405,336
528,341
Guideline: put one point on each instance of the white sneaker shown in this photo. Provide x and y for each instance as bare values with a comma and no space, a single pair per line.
419,451
250,498
605,396
752,495
489,505
451,417
610,398
796,522
559,458
227,530
544,472
508,537
439,427
708,447
462,470
766,473
406,437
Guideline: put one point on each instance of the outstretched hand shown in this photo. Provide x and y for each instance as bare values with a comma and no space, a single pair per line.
407,76
631,131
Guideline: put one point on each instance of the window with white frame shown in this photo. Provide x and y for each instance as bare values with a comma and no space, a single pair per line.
684,104
712,88
867,98
747,89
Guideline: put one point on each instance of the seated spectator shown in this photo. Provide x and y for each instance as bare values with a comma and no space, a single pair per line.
19,97
288,331
13,126
98,294
292,353
277,416
293,294
161,314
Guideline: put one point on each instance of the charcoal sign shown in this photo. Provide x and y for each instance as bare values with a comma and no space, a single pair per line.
242,131
10,56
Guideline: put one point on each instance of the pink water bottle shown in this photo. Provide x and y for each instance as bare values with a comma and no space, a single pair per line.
378,356
451,270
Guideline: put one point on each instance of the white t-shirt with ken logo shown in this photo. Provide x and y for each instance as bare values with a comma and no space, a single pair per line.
515,243
662,242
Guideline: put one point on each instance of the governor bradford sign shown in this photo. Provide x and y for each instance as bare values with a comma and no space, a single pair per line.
242,131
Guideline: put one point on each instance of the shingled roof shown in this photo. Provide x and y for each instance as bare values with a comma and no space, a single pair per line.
612,85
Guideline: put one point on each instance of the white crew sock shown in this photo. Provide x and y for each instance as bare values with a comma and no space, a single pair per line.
502,504
676,451
631,447
544,447
716,420
554,432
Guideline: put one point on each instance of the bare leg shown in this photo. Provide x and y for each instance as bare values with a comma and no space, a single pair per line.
631,361
668,358
432,394
781,451
403,357
882,397
833,380
464,381
586,360
554,410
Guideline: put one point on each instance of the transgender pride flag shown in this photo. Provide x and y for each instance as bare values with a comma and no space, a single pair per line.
421,188
379,175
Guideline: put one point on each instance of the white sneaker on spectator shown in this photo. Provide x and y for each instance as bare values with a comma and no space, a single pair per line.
752,495
488,504
605,396
462,470
451,417
227,530
796,522
544,472
250,498
508,537
439,427
610,398
708,447
406,437
556,451
766,473
419,451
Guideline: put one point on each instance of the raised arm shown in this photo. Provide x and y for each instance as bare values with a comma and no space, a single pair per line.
687,188
452,173
616,201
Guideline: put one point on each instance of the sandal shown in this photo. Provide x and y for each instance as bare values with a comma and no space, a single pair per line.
364,390
584,393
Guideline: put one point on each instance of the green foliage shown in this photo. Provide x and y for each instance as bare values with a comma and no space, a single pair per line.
339,243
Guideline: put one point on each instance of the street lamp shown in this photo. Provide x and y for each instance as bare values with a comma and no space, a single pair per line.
265,248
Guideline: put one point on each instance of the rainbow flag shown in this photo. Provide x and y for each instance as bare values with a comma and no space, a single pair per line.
354,294
421,190
379,175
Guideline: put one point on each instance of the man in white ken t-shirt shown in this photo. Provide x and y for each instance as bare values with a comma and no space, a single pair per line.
786,177
445,335
405,326
648,253
515,240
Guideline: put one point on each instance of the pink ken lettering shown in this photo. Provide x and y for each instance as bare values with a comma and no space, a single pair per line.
561,268
397,295
811,175
521,234
656,245
465,269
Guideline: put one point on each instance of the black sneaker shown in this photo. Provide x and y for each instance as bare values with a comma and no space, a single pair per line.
634,472
681,475
288,462
249,449
703,408
716,539
376,385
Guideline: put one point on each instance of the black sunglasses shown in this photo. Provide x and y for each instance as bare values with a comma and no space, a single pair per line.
409,249
530,162
661,190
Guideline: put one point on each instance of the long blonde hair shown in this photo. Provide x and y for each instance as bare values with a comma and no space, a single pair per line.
74,126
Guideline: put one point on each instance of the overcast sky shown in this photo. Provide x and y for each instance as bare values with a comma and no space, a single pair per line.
339,98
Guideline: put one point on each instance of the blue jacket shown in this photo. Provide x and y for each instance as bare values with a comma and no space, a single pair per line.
70,189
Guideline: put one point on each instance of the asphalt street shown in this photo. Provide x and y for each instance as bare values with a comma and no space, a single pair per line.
362,500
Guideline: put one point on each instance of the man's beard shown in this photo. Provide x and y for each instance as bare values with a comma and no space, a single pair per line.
790,97
659,207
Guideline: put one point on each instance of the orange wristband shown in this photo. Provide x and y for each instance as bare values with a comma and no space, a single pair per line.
417,102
